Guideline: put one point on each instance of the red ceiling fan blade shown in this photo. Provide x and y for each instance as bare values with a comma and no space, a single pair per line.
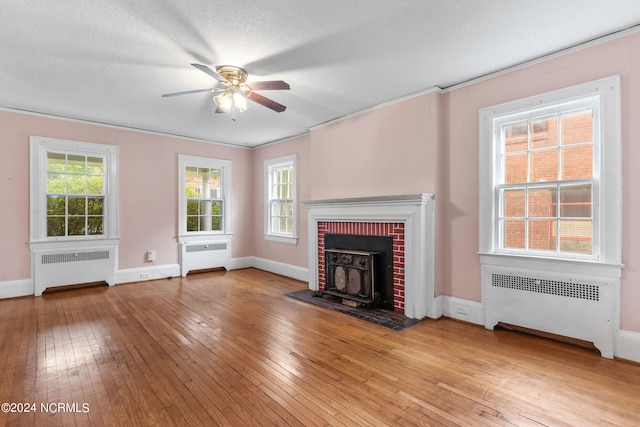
168,95
269,85
269,103
209,71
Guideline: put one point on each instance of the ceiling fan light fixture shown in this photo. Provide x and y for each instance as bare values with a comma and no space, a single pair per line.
224,101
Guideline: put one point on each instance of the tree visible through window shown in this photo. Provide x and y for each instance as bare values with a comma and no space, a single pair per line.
204,199
75,194
547,182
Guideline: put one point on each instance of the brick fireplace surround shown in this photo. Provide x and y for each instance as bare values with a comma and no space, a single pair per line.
407,219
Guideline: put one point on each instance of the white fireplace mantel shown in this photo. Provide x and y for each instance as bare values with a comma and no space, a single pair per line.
416,211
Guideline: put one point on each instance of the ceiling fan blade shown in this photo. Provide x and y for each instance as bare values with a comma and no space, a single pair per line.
168,95
270,85
269,103
209,71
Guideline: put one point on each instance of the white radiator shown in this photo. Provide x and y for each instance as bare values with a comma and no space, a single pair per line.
578,307
73,266
204,254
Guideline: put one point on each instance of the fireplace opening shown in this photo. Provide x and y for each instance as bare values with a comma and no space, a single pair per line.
360,268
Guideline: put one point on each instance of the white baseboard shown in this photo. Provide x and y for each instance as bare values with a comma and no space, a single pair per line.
287,270
16,288
461,309
627,345
153,272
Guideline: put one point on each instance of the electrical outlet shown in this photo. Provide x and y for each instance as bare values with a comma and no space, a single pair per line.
144,275
462,309
151,256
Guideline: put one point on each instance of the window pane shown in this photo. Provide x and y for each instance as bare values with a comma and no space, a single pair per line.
95,206
76,226
515,137
56,226
56,183
193,207
213,184
577,162
76,164
76,184
95,184
56,205
544,132
575,201
514,234
576,236
192,186
76,206
544,165
94,166
577,127
515,168
542,202
56,162
95,225
192,223
542,235
513,203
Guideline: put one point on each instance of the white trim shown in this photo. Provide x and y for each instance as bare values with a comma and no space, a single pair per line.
16,288
185,160
270,164
39,146
287,270
461,309
627,345
143,274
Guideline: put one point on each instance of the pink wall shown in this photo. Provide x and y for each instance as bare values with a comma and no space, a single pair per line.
620,56
148,166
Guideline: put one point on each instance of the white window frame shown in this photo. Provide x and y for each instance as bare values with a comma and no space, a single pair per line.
185,161
607,181
39,147
269,166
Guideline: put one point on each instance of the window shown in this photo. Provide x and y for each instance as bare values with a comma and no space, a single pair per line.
546,178
204,195
73,190
550,175
280,199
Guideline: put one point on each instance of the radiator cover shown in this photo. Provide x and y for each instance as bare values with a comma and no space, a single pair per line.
200,255
72,266
574,306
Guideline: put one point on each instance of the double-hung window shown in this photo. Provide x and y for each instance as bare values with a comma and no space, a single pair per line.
280,199
204,195
73,190
550,181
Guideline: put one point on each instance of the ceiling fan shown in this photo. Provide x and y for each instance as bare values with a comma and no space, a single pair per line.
234,93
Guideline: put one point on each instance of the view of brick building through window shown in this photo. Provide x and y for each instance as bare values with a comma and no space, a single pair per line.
546,191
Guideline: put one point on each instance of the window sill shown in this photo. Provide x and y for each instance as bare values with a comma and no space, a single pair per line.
291,240
549,264
73,243
204,237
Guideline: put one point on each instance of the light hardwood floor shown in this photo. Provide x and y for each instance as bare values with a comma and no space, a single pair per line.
229,348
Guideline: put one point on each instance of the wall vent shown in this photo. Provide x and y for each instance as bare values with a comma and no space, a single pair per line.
74,256
545,286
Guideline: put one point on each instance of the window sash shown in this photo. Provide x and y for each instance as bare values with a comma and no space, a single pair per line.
280,197
524,124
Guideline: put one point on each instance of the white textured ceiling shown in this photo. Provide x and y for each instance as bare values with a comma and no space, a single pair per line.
109,61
